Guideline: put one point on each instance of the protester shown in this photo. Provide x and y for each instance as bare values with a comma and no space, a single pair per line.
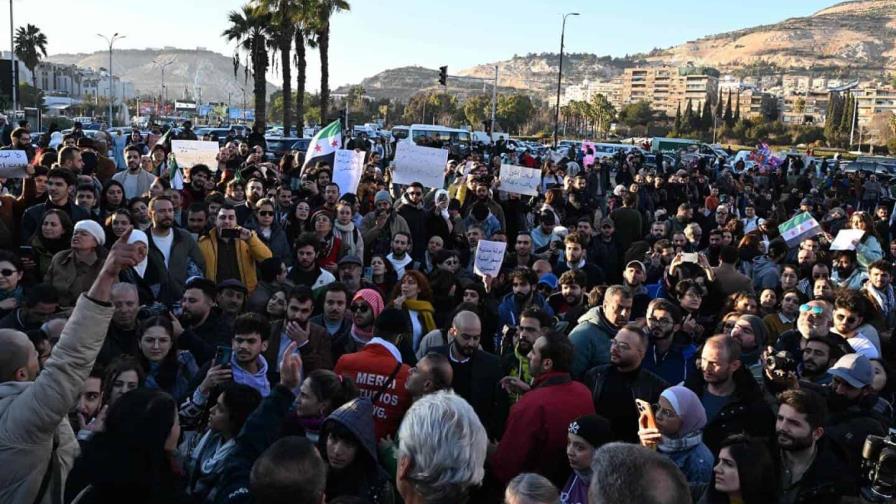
625,473
744,472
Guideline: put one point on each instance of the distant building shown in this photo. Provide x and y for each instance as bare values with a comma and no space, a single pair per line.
668,88
753,103
806,107
583,92
874,100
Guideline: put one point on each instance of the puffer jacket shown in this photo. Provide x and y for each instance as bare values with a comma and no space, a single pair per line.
33,415
591,339
368,480
248,252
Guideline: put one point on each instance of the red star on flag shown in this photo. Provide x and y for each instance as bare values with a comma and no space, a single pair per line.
317,148
334,143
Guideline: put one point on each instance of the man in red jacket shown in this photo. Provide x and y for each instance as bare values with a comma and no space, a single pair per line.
380,374
535,437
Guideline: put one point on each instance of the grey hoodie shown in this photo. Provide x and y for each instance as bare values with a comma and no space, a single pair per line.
765,273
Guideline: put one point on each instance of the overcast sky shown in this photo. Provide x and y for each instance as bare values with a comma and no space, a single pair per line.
380,34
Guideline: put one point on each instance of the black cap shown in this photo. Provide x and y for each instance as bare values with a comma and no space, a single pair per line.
593,428
233,284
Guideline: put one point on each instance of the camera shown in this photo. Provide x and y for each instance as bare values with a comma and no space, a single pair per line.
779,364
879,467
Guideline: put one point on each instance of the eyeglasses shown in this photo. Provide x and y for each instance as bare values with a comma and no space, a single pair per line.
8,272
359,308
265,213
660,412
816,310
660,322
622,346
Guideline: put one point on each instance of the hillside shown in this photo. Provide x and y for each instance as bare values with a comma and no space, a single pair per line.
849,39
210,71
857,35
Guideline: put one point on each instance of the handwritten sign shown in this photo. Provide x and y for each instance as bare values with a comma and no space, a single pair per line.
489,258
419,164
520,180
845,239
193,152
347,168
13,163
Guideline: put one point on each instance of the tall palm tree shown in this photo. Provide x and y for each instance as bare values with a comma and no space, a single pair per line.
283,15
325,10
30,44
303,38
248,28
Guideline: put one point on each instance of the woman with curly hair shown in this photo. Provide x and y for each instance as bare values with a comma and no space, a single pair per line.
414,296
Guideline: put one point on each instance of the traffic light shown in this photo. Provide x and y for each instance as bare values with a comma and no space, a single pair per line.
443,75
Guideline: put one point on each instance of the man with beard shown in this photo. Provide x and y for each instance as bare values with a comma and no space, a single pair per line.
731,397
195,191
574,255
135,179
814,320
171,248
523,294
536,434
658,231
633,277
847,274
197,220
855,410
202,325
482,193
569,304
306,271
811,467
714,248
670,361
314,345
410,206
350,270
522,248
379,226
476,373
59,180
660,257
399,257
231,298
591,337
335,304
819,354
682,217
534,323
878,291
122,335
615,386
231,251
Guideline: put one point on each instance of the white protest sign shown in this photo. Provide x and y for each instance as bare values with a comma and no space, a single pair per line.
13,163
347,168
489,257
419,164
520,180
845,239
193,152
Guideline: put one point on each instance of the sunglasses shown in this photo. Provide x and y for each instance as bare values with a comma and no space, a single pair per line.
359,308
816,310
266,213
8,272
848,319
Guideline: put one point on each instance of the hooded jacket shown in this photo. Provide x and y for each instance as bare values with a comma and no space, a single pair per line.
33,415
591,339
765,273
370,481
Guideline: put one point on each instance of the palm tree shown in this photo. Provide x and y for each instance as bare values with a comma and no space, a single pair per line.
303,38
248,28
283,14
30,44
325,10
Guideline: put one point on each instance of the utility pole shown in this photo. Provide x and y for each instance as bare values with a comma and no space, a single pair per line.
163,65
491,132
560,75
12,64
111,41
855,112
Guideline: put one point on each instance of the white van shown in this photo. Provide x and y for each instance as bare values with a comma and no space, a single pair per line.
456,140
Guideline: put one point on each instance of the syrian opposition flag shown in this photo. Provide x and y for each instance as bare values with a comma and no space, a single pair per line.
324,145
175,173
799,228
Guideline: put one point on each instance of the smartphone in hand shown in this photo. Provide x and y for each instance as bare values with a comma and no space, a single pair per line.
223,355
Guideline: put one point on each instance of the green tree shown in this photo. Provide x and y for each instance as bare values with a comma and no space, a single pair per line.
30,43
799,106
513,111
602,112
676,126
719,107
636,114
303,38
477,110
727,116
737,108
325,10
287,17
248,29
706,116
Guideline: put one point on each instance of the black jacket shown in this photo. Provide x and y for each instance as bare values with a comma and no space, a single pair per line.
486,392
746,412
827,479
202,341
32,217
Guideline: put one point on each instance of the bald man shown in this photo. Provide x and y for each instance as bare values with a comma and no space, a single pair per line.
37,445
431,374
477,374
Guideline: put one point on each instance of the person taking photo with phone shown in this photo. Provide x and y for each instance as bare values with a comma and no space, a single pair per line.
231,251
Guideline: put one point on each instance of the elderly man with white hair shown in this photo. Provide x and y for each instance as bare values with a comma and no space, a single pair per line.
441,454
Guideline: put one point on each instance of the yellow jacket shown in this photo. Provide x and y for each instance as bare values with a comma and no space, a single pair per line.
247,253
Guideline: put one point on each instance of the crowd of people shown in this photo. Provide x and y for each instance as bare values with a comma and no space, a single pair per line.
264,335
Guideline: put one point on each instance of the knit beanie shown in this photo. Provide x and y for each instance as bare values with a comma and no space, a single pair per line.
688,408
382,195
593,428
94,229
372,298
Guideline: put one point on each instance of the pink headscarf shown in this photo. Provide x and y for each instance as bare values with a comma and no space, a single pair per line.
375,301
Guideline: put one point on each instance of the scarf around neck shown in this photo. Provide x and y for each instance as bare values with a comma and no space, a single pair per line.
424,308
671,445
346,234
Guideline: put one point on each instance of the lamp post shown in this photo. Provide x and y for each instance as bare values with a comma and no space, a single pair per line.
560,76
110,41
163,65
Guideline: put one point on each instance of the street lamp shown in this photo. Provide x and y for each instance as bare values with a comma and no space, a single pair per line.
110,41
560,76
163,65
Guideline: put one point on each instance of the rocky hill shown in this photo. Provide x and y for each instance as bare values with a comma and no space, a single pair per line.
858,35
192,69
849,39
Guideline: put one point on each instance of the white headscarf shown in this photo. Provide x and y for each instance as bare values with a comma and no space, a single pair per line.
140,236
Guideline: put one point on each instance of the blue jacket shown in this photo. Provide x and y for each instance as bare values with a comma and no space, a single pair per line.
591,339
695,462
672,367
509,312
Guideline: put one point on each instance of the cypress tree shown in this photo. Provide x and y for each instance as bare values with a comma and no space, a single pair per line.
676,126
737,109
706,117
719,108
727,115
